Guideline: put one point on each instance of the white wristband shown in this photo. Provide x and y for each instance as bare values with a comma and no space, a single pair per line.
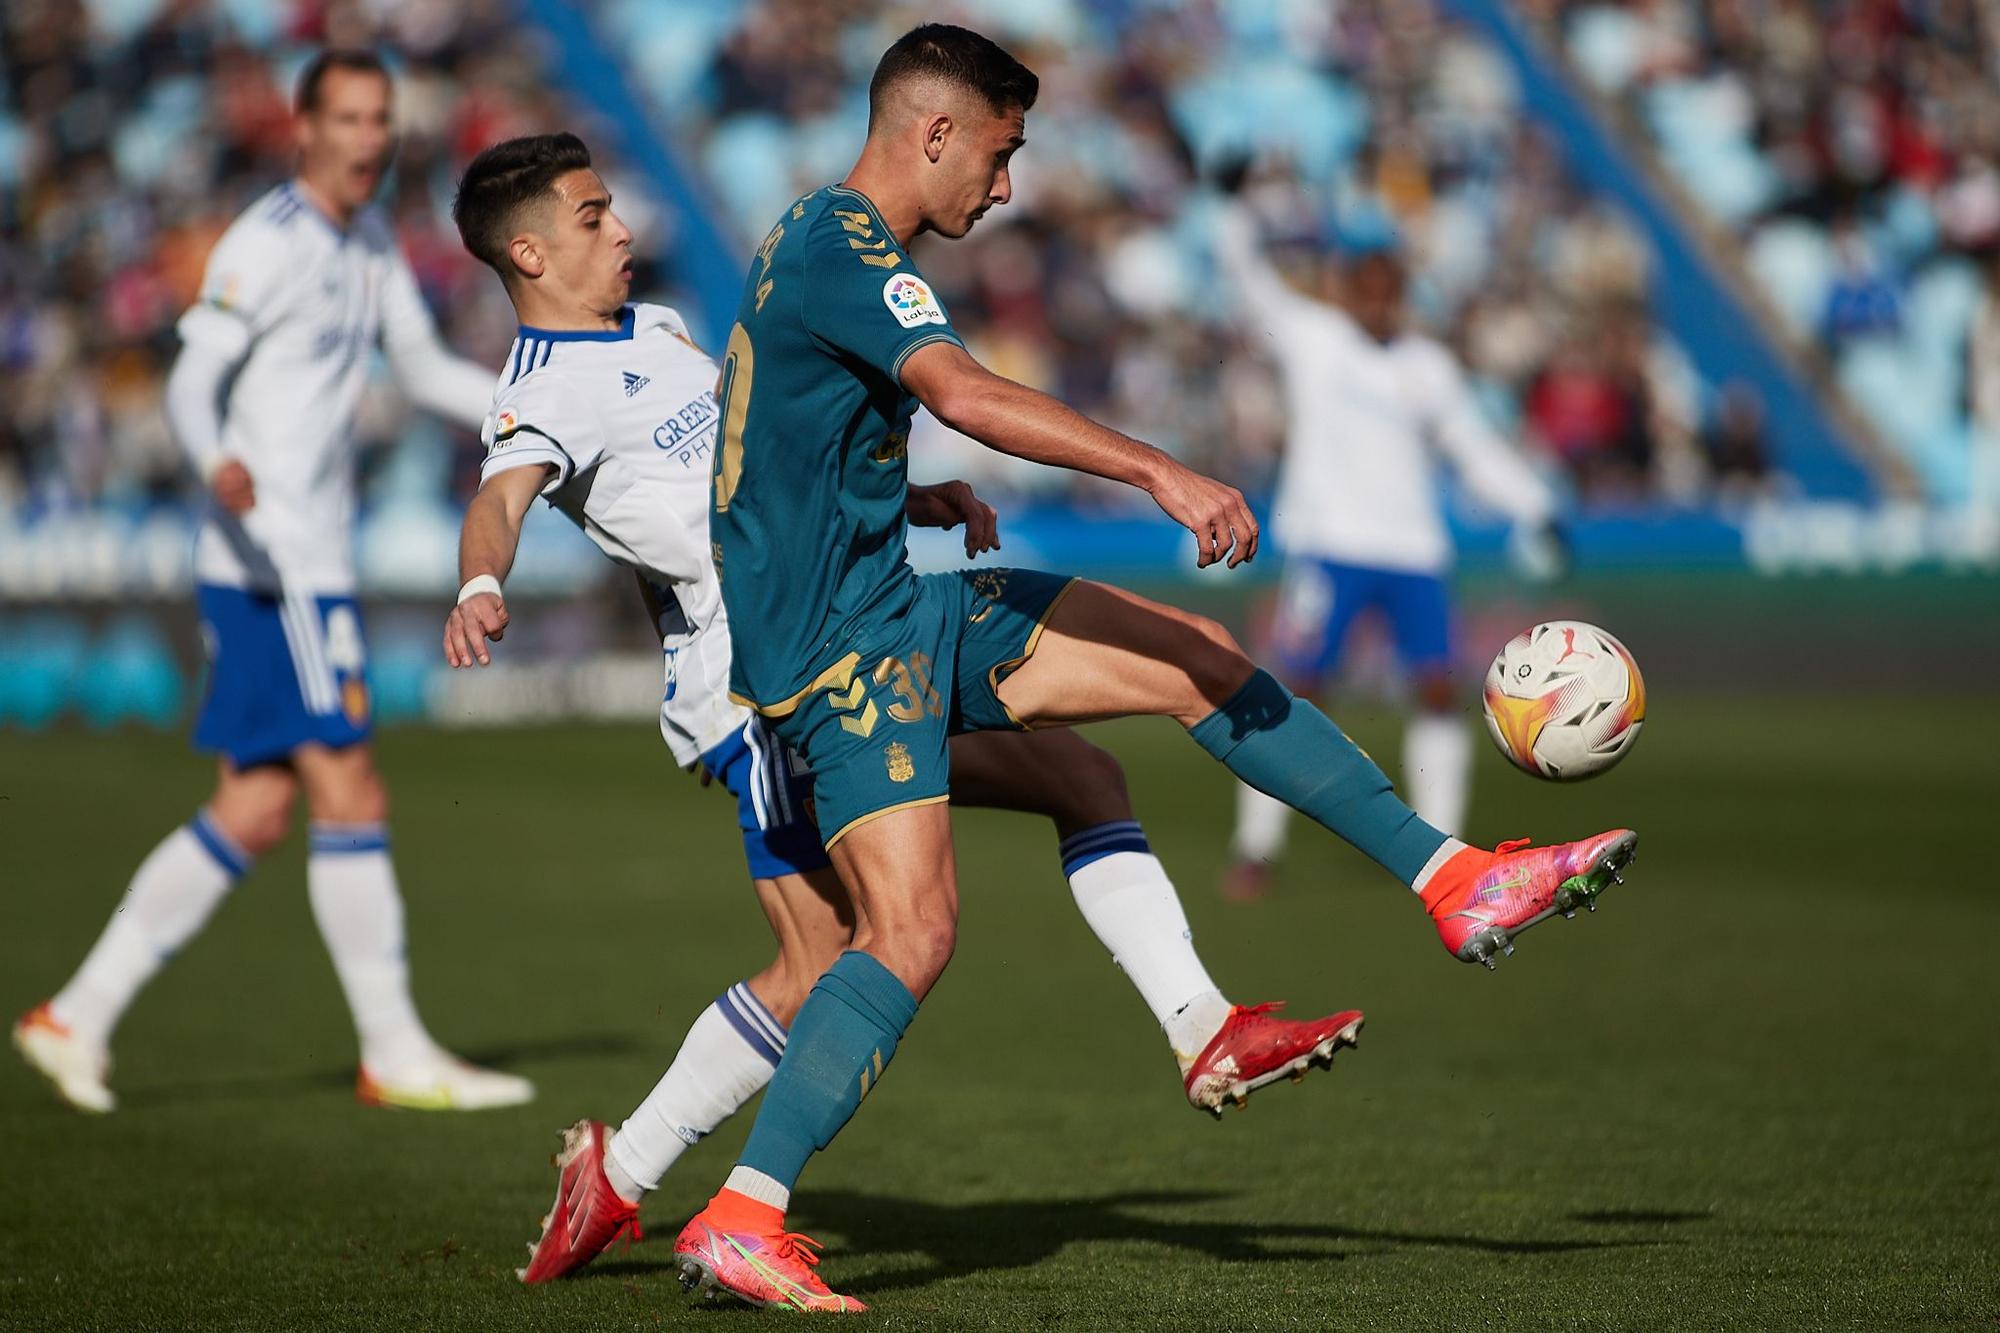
477,584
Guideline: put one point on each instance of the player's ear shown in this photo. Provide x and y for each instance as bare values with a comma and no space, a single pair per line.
936,131
526,253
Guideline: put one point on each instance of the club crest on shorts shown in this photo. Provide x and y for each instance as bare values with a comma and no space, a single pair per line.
354,702
901,767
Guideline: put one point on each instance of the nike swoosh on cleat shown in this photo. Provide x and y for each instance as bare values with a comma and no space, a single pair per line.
784,1285
1492,891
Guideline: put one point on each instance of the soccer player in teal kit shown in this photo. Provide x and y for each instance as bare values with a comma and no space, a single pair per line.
867,669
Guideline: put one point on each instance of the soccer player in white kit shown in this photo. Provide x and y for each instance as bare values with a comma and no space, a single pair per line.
1371,409
608,411
298,293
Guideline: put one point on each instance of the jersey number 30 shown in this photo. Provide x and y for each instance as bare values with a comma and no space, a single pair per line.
739,363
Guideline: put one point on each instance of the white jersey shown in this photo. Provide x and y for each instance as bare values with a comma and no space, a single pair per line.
297,306
628,420
1365,423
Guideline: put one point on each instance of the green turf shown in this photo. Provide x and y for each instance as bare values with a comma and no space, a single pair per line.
1756,1090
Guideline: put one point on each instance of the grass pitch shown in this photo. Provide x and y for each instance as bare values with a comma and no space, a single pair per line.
1756,1090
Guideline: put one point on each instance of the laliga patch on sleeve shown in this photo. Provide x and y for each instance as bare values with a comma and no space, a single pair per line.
910,300
505,424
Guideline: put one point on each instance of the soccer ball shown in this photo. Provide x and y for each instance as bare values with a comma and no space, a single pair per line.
1564,701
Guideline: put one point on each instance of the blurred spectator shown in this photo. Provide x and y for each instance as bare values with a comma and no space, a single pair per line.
1734,442
1577,411
1861,299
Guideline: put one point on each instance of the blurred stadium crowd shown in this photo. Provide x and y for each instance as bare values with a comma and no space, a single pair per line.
131,137
1851,147
1373,121
1853,150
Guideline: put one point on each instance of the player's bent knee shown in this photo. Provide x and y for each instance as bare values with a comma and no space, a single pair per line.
916,951
259,829
254,808
1219,666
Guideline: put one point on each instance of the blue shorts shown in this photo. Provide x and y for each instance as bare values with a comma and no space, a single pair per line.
1318,601
283,671
773,791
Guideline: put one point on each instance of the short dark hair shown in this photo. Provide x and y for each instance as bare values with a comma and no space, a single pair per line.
956,55
314,74
504,179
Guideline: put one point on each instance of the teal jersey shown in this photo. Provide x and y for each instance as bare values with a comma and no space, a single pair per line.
812,475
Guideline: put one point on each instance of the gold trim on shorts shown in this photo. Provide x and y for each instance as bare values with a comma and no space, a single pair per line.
1027,651
859,820
838,675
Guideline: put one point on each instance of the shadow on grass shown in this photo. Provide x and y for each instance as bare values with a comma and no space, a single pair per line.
958,1240
312,1082
1641,1217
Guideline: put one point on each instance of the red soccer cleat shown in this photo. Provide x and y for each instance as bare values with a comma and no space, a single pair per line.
1481,900
1254,1049
765,1267
587,1214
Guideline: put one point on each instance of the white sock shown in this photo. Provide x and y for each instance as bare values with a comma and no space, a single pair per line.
1437,769
352,885
1260,825
1128,901
726,1059
171,895
752,1183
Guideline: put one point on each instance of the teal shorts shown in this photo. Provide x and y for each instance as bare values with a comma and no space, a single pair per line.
874,728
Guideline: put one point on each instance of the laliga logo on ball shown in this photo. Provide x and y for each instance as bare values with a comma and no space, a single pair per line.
1564,701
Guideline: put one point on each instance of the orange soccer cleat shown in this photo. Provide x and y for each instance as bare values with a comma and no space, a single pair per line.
1253,1049
1481,900
740,1247
587,1216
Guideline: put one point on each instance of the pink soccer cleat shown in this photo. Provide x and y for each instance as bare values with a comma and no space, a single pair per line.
1481,900
1253,1049
587,1216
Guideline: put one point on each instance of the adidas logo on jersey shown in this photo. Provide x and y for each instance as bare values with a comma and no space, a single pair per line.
634,383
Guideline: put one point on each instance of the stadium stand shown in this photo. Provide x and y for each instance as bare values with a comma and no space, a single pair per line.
1850,149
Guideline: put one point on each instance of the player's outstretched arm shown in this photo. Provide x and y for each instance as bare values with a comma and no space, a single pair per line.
436,378
1017,420
1265,303
950,503
486,546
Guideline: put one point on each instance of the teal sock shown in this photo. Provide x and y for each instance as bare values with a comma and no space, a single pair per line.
1285,747
842,1040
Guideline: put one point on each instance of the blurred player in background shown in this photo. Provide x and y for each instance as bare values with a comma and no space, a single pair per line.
1370,407
608,410
298,294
